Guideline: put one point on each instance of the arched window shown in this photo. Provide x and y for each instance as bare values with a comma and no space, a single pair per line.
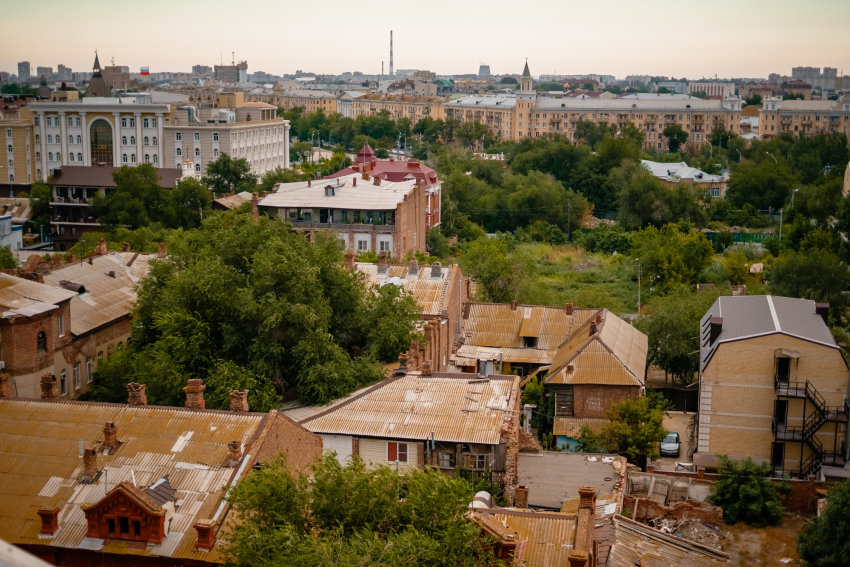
197,151
147,158
215,152
42,342
71,157
49,139
146,141
101,142
155,159
132,140
79,138
38,156
179,152
132,158
124,158
79,157
123,140
197,167
154,140
50,156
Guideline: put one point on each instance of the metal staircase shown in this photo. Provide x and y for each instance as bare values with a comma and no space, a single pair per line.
813,421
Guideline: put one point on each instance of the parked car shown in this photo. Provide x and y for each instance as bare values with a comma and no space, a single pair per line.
670,445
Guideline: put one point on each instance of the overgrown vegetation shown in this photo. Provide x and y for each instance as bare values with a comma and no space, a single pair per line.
825,542
746,494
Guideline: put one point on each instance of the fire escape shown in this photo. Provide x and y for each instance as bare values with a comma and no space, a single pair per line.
816,414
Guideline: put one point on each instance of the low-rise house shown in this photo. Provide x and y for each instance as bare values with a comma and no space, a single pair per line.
671,174
773,386
97,484
439,291
423,419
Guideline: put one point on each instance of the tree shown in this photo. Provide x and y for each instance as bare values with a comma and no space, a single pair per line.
497,272
634,429
279,175
7,259
190,199
137,200
745,492
676,136
436,243
754,100
351,515
764,185
470,132
229,175
816,274
392,317
40,196
673,331
508,81
670,258
644,200
825,542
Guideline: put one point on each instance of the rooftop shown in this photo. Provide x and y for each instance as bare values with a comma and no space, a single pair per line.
679,171
345,195
493,102
553,477
638,544
429,292
628,104
25,297
101,176
456,408
748,316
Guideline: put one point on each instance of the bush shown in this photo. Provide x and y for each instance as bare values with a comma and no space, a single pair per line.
826,541
745,493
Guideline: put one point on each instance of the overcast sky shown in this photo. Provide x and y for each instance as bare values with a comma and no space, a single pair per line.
618,37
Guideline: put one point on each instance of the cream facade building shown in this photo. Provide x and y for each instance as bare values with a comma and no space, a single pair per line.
798,117
400,106
19,166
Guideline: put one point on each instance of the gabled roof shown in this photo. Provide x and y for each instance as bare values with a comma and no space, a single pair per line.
26,297
614,355
456,408
749,316
393,171
430,293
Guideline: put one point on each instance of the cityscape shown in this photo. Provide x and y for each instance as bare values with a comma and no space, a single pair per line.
451,308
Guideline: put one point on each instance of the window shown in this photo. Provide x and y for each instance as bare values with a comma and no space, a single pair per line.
123,140
155,159
397,452
70,139
41,342
89,374
153,122
476,462
63,383
215,136
123,122
49,141
137,528
177,136
79,157
147,141
58,156
447,460
147,158
77,120
384,245
215,152
154,141
132,158
110,524
79,139
61,325
35,121
132,123
197,152
362,245
37,138
197,137
124,524
77,382
197,167
179,152
49,121
11,178
124,158
71,157
146,123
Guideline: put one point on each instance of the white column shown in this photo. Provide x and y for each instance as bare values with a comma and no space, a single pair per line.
64,133
286,146
158,139
116,140
43,146
86,149
139,137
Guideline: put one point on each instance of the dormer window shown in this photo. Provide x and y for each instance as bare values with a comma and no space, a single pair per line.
330,191
529,342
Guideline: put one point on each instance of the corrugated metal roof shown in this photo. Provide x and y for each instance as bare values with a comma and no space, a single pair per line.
637,544
18,293
430,293
456,408
614,355
571,426
468,355
40,466
550,536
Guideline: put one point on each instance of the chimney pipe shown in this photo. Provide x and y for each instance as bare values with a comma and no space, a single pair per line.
309,183
4,385
136,394
382,263
354,182
49,521
436,270
234,452
195,394
255,209
49,387
376,180
426,368
413,267
513,304
592,328
822,309
521,497
89,464
569,308
349,261
110,435
162,250
206,534
125,247
239,401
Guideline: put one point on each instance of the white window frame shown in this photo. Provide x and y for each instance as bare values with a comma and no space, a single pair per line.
89,373
77,379
398,452
61,322
177,136
63,383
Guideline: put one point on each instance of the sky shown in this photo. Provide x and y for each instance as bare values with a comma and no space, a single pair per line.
674,38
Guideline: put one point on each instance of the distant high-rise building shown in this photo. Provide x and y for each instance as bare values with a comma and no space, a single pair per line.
64,73
23,70
45,72
201,69
484,72
237,73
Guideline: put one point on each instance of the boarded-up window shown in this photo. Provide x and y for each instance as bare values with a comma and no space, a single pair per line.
397,452
564,402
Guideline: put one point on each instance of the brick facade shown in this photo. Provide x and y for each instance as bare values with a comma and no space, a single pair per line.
648,509
594,400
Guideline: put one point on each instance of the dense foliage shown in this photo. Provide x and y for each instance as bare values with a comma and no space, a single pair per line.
350,515
745,492
634,430
245,304
825,542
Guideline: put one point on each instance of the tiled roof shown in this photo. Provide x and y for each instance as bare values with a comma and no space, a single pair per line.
456,408
395,171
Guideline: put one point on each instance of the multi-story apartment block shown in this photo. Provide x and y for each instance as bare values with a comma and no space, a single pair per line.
527,113
773,386
24,71
20,155
308,99
400,106
713,89
45,72
236,73
797,117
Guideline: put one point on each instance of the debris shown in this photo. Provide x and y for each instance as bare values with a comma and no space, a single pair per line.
690,530
786,560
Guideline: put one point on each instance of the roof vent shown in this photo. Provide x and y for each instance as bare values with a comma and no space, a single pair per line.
436,271
71,286
716,326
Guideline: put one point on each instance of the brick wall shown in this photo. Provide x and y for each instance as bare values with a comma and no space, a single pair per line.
592,400
410,222
80,350
648,508
19,336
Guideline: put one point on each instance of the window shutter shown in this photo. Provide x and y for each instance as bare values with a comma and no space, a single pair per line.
392,452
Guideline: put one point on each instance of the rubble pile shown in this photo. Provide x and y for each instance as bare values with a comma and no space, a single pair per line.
690,530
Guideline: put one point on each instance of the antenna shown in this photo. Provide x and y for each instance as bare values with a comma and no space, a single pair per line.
391,53
233,58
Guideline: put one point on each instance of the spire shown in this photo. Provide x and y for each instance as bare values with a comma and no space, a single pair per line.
526,74
96,69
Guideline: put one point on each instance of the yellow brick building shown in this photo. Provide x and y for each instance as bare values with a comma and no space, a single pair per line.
798,117
773,386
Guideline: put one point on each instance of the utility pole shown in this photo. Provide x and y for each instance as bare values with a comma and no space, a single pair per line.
639,270
780,225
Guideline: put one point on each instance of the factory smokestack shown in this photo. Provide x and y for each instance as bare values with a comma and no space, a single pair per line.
391,53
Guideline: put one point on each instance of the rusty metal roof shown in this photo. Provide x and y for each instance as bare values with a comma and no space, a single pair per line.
457,408
637,544
40,467
106,299
496,325
614,355
19,294
550,536
430,293
469,355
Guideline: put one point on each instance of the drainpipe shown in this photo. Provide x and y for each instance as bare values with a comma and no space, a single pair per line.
847,428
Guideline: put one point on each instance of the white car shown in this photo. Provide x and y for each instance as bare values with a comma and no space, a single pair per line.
670,445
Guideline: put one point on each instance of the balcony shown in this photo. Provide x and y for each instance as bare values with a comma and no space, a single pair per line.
342,227
73,220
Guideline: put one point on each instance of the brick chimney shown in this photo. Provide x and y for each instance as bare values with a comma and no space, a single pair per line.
136,394
49,521
577,558
349,261
49,387
592,328
426,368
569,308
4,385
521,497
234,452
239,401
195,394
255,207
110,435
436,270
382,262
206,534
354,182
264,194
89,464
413,355
376,180
100,248
125,247
162,250
413,267
598,318
513,304
402,361
309,183
587,498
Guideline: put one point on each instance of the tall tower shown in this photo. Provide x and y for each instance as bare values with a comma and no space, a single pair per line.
391,53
